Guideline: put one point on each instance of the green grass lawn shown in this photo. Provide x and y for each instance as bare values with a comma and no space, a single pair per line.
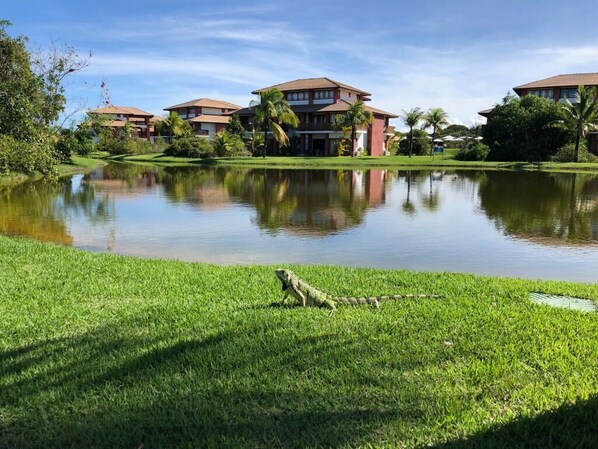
101,351
79,164
363,162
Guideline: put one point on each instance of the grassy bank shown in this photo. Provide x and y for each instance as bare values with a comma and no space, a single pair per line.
104,351
364,162
79,165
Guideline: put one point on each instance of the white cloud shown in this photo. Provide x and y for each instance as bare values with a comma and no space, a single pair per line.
212,54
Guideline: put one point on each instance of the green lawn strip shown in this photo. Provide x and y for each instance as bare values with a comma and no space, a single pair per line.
104,351
416,162
79,165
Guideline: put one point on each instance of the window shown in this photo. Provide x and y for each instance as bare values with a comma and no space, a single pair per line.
544,93
297,96
323,94
568,93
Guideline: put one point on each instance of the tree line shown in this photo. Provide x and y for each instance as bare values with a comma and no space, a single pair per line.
32,97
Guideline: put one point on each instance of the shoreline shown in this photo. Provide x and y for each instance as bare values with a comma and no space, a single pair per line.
86,164
361,162
80,165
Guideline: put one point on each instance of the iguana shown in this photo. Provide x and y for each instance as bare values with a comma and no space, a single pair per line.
307,295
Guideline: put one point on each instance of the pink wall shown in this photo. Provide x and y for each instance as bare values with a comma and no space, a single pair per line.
376,136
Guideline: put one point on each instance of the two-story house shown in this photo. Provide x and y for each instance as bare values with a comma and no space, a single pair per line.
316,102
559,88
207,117
118,116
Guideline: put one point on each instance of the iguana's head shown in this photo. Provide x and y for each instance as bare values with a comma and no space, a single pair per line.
285,277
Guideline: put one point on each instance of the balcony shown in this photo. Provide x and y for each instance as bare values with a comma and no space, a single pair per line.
314,127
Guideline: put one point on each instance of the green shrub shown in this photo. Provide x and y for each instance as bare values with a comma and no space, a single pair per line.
474,151
525,129
25,157
190,147
567,152
229,145
66,144
421,143
126,146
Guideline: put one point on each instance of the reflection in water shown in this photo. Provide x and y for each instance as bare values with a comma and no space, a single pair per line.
446,220
547,207
41,209
300,201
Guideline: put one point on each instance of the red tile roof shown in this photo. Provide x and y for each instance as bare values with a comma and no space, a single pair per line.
312,83
125,110
206,103
569,80
207,118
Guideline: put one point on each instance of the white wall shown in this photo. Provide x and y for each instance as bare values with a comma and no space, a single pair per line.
345,95
211,128
361,140
324,101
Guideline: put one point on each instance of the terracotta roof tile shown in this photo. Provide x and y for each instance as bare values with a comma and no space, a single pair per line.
205,103
568,80
128,110
206,118
312,83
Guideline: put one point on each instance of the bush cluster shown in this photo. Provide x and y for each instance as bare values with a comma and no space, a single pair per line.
421,143
525,129
473,151
567,152
192,147
225,144
126,146
25,157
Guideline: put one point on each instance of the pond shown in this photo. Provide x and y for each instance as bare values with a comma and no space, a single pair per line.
521,224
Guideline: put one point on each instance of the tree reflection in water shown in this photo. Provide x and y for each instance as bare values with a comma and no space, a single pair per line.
543,207
41,209
547,208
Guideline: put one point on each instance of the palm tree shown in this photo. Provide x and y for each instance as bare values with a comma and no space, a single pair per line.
411,118
272,111
435,118
582,115
174,126
357,115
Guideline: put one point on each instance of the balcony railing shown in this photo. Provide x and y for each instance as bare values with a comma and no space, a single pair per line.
314,127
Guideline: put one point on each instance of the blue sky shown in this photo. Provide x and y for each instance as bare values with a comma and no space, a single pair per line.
462,55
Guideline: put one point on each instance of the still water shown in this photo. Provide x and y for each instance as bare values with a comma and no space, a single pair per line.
523,224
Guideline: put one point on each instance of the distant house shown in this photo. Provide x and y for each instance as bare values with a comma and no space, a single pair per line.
316,102
120,115
559,88
207,117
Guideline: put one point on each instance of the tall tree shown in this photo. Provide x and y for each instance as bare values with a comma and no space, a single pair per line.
235,126
411,118
357,115
271,112
520,129
32,97
435,118
581,116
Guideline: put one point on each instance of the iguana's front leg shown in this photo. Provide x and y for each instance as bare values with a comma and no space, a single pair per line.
290,291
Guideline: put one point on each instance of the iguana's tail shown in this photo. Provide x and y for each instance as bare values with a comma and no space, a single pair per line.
375,300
